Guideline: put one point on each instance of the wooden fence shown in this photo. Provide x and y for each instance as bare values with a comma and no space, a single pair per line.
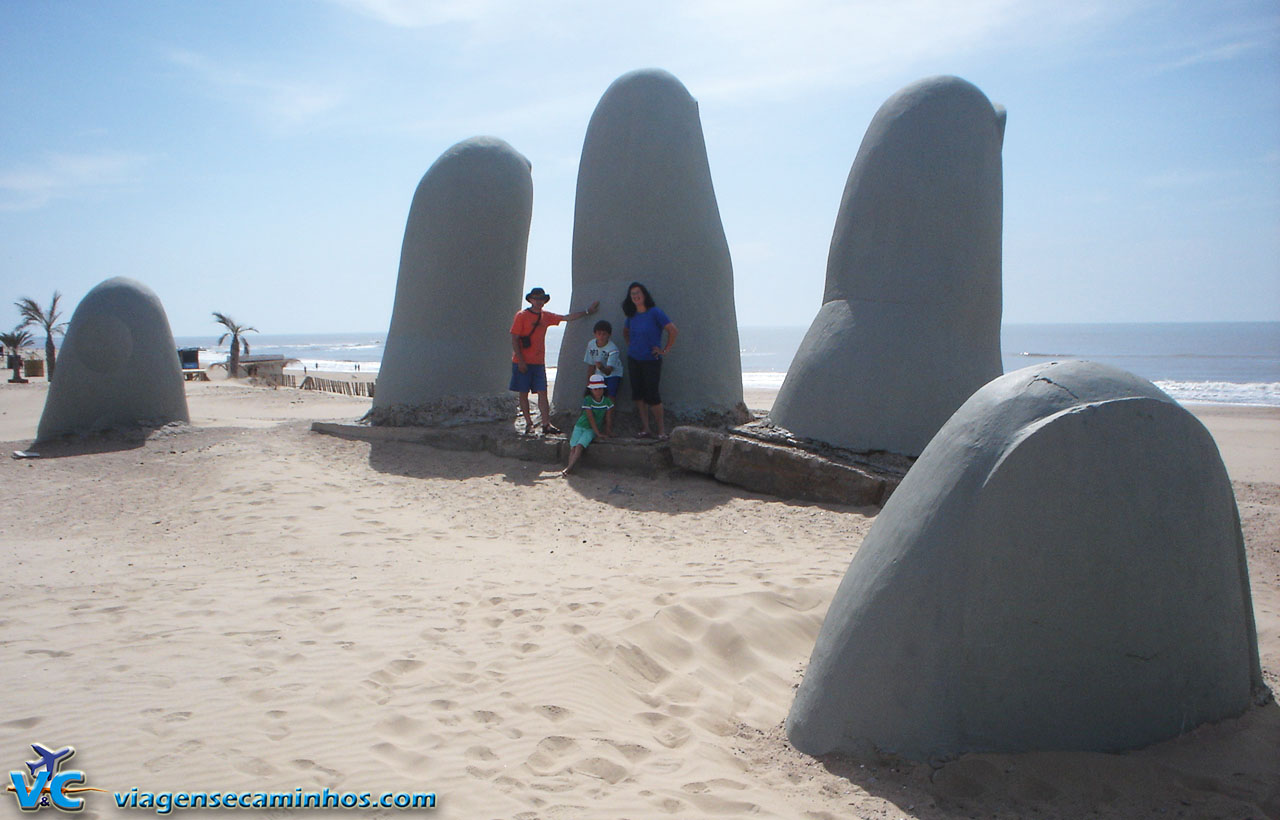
347,388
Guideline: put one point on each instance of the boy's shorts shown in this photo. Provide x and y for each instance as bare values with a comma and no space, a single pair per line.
611,385
534,379
582,435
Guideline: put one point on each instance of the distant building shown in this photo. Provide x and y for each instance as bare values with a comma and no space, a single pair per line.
269,367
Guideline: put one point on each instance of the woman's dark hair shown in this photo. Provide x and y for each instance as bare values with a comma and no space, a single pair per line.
604,325
630,309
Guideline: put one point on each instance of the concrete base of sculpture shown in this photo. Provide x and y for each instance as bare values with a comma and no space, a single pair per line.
450,411
500,438
767,461
745,457
1062,569
626,421
118,366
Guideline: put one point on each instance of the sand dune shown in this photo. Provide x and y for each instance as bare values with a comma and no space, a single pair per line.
245,605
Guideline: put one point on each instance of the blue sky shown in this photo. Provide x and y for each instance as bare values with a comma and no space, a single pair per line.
259,158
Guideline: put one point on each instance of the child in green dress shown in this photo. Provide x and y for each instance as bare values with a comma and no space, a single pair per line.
594,407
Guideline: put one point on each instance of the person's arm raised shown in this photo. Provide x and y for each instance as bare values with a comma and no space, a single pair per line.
578,314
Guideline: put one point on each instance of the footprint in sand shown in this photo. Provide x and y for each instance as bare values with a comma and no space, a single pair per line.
700,787
400,725
255,766
480,753
162,763
631,662
606,770
311,766
553,713
711,804
631,751
669,805
549,756
667,730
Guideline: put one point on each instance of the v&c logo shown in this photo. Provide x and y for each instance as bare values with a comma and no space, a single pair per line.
47,785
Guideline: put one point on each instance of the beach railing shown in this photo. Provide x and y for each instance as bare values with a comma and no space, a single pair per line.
347,388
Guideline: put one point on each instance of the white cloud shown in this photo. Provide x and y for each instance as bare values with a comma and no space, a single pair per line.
420,13
741,48
1222,53
278,101
786,46
64,176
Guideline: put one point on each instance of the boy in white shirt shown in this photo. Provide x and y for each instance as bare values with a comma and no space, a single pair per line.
603,358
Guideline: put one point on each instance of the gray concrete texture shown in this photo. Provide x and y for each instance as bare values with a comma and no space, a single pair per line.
1062,569
646,211
461,271
118,366
910,321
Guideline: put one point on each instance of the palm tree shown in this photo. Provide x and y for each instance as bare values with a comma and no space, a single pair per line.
236,332
13,342
33,314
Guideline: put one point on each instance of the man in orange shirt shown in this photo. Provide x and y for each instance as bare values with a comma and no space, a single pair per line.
529,348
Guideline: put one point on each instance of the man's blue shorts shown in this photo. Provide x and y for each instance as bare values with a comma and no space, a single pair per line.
534,379
611,385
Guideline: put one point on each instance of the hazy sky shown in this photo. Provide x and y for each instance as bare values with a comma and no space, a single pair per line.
258,158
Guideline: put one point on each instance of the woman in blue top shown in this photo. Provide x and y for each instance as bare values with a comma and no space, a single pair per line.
643,334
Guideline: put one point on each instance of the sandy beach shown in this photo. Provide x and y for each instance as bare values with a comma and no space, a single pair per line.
244,605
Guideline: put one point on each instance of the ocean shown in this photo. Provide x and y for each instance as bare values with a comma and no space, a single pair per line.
1205,362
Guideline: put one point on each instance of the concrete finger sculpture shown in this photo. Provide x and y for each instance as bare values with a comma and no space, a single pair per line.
1062,569
646,211
910,321
461,270
118,366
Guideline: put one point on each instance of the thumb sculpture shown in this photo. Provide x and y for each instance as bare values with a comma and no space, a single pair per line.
118,366
1062,569
461,271
646,212
910,321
